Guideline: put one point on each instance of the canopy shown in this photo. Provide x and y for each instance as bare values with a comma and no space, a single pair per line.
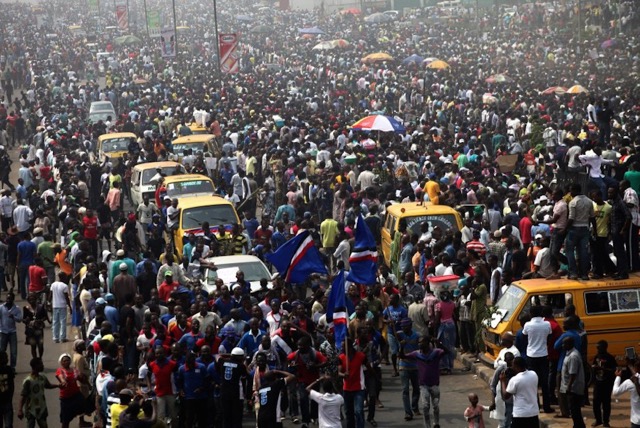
378,122
376,57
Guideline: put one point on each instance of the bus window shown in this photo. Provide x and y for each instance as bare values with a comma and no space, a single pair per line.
557,301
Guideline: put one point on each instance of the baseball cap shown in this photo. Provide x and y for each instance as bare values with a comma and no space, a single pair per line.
100,301
539,236
168,273
108,297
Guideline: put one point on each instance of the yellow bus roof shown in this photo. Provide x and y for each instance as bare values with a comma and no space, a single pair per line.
195,138
541,285
416,208
115,135
199,201
154,165
185,177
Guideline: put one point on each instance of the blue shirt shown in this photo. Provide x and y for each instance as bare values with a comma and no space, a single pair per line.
191,379
224,308
250,343
27,250
251,226
189,340
410,345
577,343
8,318
395,314
112,315
140,267
277,239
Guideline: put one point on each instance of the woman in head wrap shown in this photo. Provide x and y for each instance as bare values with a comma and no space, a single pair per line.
72,403
81,365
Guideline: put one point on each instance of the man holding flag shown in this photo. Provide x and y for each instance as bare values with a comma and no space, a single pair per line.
364,258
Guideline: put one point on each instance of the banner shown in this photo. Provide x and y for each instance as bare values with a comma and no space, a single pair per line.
122,14
168,43
228,53
154,23
93,6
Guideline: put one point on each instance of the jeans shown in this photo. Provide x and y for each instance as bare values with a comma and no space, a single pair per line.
410,378
575,404
371,381
10,339
354,408
578,238
430,395
508,416
540,365
600,184
59,324
303,402
447,334
6,415
31,422
23,277
167,408
602,401
3,279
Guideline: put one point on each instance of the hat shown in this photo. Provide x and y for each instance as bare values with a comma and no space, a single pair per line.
236,285
168,273
166,198
120,253
100,301
77,343
131,217
13,230
109,297
539,236
37,231
238,352
123,266
65,355
497,233
126,391
108,337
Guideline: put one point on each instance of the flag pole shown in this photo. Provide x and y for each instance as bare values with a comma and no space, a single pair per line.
146,18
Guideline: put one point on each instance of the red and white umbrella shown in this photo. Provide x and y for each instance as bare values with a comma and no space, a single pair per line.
558,90
378,122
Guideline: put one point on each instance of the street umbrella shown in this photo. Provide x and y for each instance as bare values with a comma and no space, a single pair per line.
261,29
438,65
558,90
413,59
577,89
377,57
340,43
378,122
608,44
140,81
488,98
499,78
127,40
245,18
310,30
429,60
351,11
377,18
323,46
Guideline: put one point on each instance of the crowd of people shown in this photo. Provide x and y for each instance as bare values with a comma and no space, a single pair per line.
152,347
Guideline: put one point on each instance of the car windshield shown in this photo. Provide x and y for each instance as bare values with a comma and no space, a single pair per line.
101,115
253,272
181,188
149,173
181,147
444,221
192,218
510,300
115,145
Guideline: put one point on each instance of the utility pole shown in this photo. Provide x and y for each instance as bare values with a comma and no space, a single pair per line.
215,23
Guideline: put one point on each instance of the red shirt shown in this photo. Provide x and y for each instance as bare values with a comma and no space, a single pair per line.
213,344
306,375
263,233
525,230
355,380
162,372
90,227
36,278
165,290
71,389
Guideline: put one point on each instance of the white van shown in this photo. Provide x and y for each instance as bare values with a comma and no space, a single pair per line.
141,179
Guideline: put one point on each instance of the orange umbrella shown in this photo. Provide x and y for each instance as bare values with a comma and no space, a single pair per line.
577,89
340,43
438,65
558,90
377,57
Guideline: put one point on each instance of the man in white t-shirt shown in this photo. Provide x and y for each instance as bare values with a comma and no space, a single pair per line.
523,387
538,331
329,403
59,302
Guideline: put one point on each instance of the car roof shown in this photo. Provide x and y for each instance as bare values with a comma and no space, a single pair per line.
185,177
199,201
196,138
154,165
234,259
542,285
416,208
115,135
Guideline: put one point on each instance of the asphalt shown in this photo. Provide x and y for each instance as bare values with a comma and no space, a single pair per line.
620,408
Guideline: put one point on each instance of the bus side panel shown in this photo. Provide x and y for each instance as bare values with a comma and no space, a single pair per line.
385,234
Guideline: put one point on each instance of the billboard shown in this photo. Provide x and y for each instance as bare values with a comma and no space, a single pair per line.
228,53
122,14
168,43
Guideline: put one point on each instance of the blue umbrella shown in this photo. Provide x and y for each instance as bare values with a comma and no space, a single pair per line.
245,18
310,30
417,59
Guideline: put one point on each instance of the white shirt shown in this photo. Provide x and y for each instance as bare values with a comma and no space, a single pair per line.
22,216
524,388
537,331
58,291
503,351
171,211
328,409
628,386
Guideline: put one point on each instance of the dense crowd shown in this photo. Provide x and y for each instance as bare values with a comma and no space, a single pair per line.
152,347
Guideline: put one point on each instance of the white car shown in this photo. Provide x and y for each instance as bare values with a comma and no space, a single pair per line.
227,267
